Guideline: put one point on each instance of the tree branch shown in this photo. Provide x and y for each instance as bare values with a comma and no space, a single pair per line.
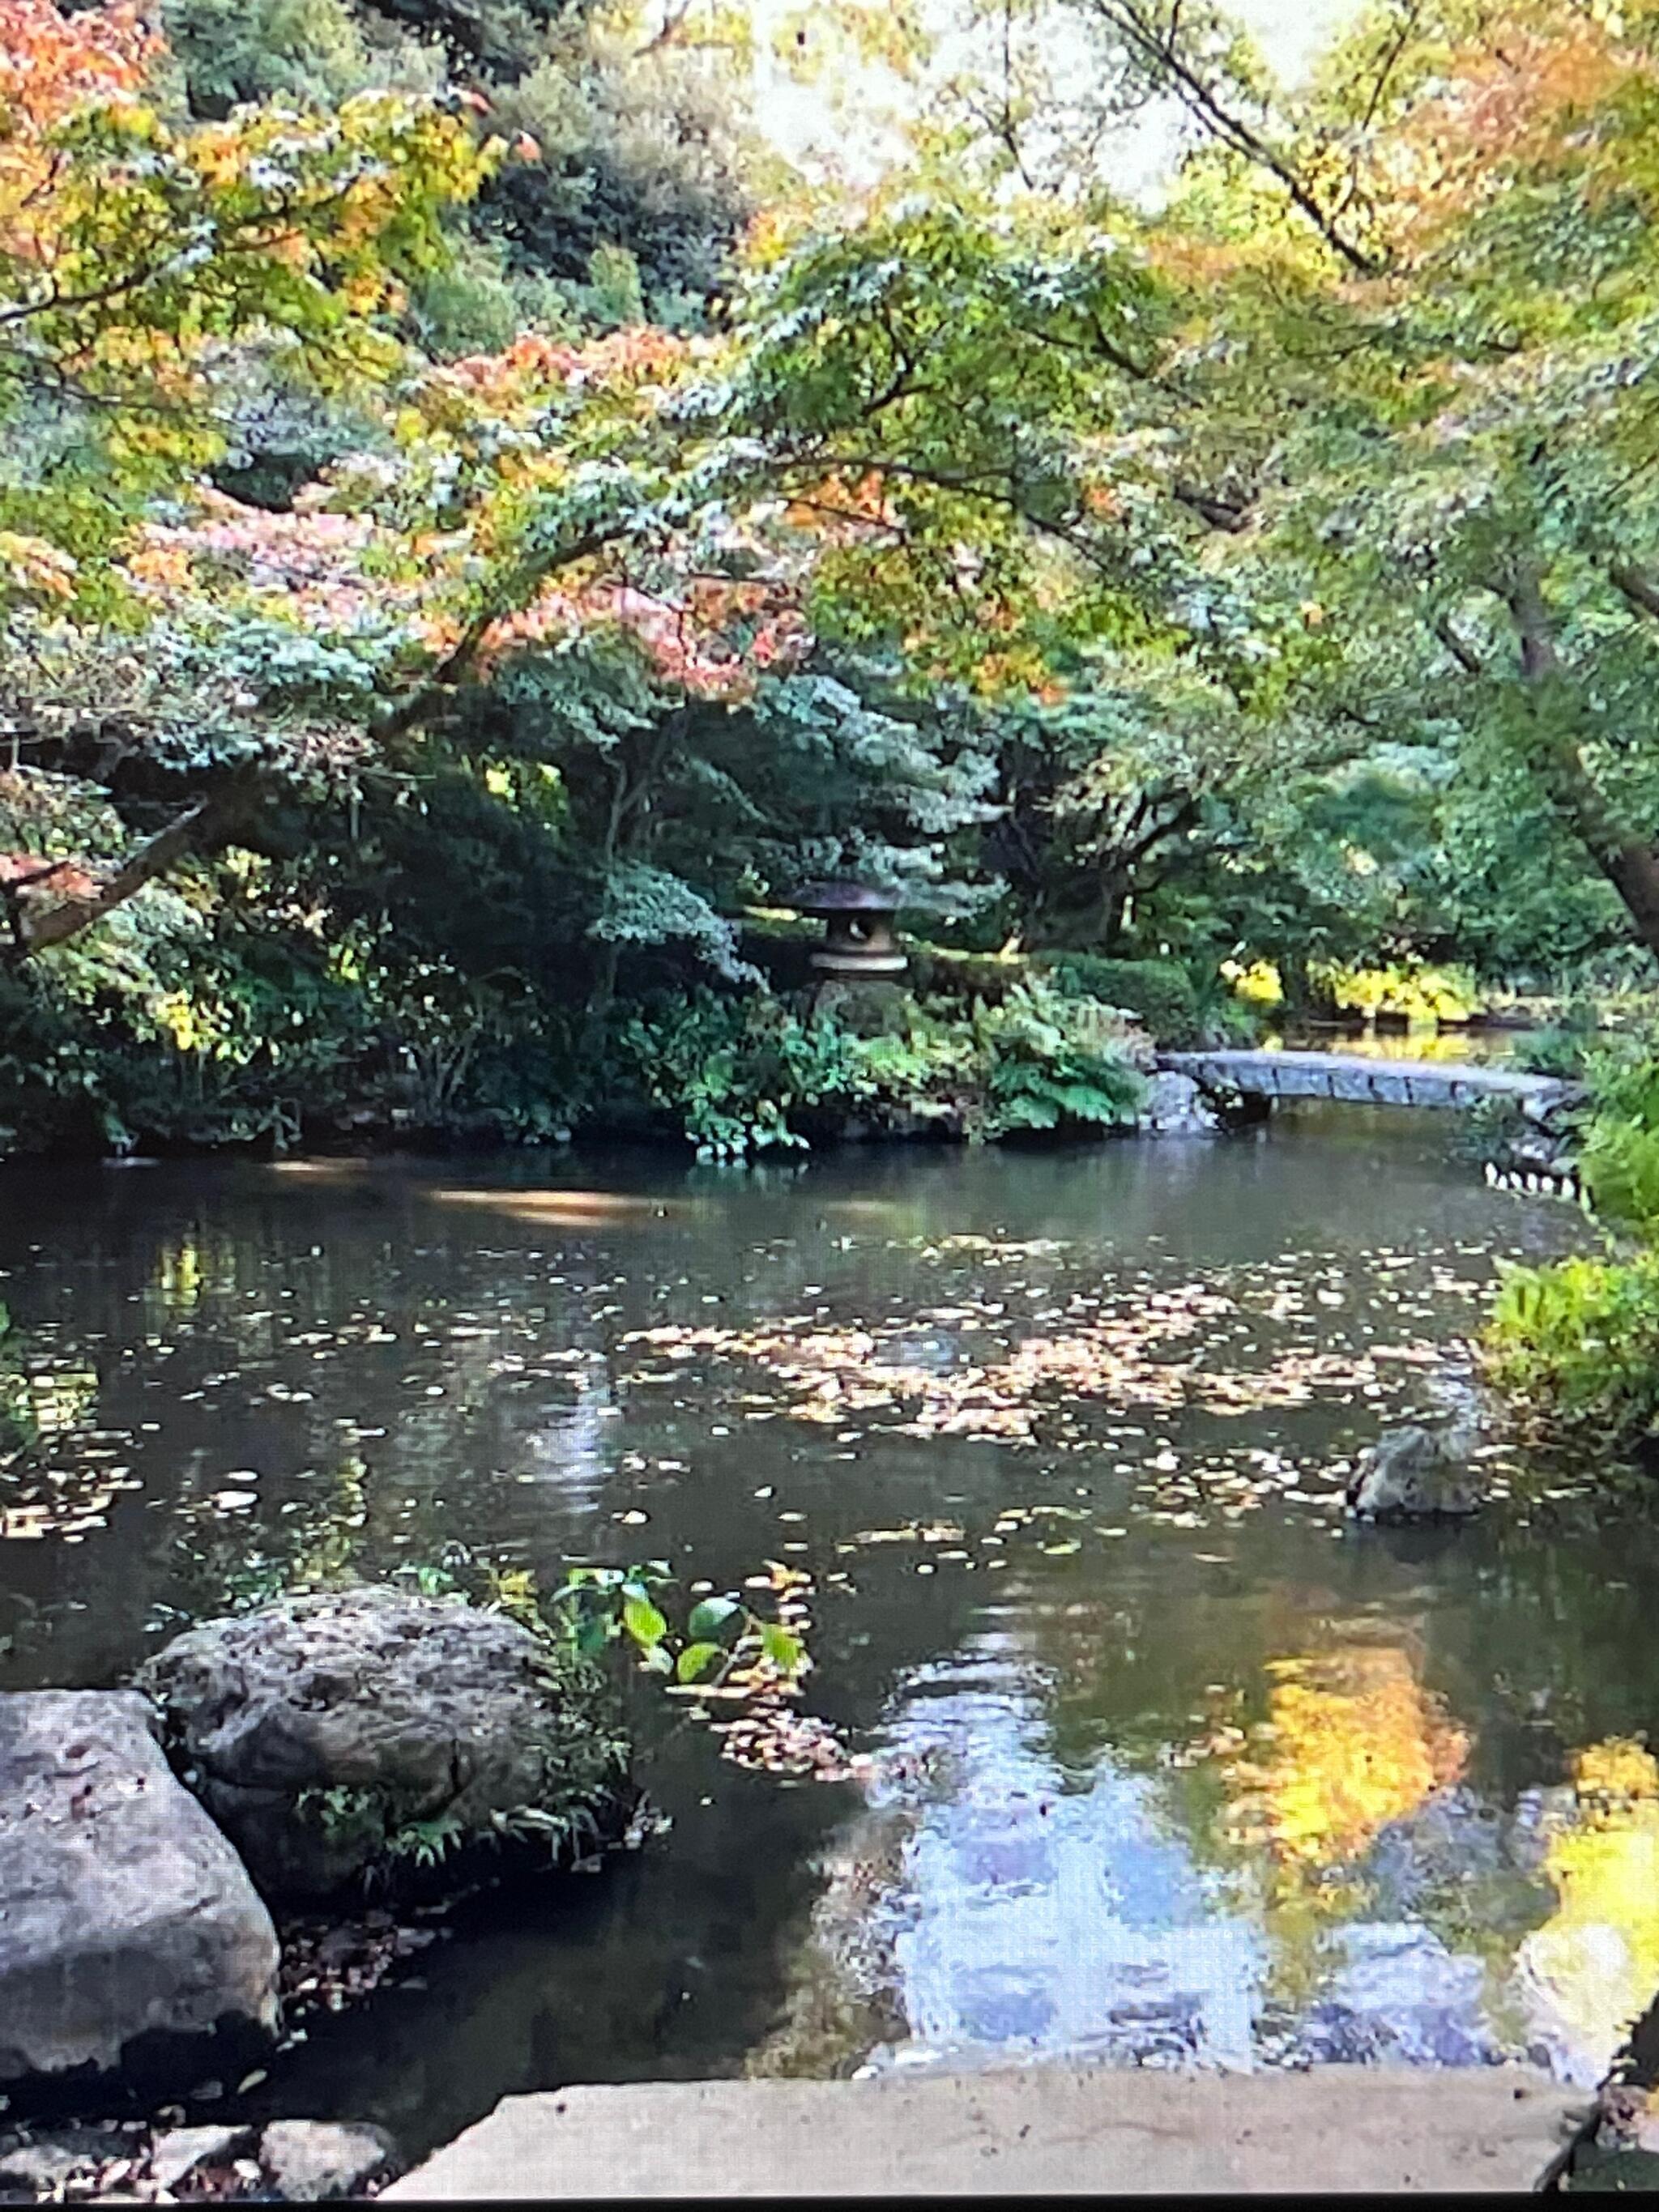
1205,102
208,823
1464,654
1220,513
422,704
1642,593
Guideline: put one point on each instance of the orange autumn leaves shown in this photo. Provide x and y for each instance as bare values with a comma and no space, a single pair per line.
52,63
1537,93
710,637
135,243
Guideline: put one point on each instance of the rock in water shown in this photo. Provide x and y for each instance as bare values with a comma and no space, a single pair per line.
1414,1474
129,1929
1175,1107
308,2161
368,1731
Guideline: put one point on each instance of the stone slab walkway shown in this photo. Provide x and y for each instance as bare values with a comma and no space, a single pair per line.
1364,1081
1051,2129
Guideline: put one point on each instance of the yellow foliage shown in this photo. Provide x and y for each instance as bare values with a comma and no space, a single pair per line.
1259,983
1355,1741
1596,1959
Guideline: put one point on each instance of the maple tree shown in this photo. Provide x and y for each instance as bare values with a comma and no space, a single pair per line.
1350,430
1267,570
136,257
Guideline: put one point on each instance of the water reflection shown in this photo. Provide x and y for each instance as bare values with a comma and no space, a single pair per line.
1593,1968
1476,1047
1351,1741
1171,1764
1195,1907
1040,1914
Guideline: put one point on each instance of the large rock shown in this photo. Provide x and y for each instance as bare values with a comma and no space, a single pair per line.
130,1934
369,1733
183,2153
1417,1474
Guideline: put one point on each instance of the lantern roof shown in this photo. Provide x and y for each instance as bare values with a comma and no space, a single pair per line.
846,898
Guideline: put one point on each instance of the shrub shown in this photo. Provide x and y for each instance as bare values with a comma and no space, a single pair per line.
1578,1344
1160,993
733,1071
1420,993
940,971
1047,1060
741,1075
1566,1046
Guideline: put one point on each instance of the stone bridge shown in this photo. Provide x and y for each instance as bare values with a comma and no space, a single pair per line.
1363,1080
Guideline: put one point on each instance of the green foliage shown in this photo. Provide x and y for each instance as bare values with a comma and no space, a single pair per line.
603,1608
1257,578
1619,1148
733,1070
1567,1046
1159,994
638,187
743,1074
231,53
1578,1344
1048,1062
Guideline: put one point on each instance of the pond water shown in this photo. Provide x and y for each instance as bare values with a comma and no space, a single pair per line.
1162,1759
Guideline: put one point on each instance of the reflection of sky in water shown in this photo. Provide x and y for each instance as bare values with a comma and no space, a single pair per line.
1041,1920
1041,1914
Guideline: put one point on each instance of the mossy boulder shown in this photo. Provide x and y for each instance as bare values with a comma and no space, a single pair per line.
371,1736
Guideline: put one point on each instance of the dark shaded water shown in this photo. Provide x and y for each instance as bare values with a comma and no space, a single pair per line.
1167,1762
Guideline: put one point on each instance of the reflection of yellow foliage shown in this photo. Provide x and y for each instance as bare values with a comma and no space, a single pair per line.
1598,1957
1355,1741
181,1274
61,1399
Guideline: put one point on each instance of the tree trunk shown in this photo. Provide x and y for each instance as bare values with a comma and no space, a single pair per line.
1628,860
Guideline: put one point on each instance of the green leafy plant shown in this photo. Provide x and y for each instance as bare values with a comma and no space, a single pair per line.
1049,1060
608,1606
734,1070
743,1074
1578,1344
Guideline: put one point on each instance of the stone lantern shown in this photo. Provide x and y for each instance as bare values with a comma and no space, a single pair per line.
858,945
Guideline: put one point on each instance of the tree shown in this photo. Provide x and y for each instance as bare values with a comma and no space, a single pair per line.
138,260
1342,429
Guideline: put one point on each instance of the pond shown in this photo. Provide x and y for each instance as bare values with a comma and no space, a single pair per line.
1162,1759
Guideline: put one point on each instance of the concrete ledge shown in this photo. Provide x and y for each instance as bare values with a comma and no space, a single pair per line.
1065,2129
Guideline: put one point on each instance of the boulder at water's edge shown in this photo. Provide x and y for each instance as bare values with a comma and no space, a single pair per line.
366,1732
1417,1474
130,1933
